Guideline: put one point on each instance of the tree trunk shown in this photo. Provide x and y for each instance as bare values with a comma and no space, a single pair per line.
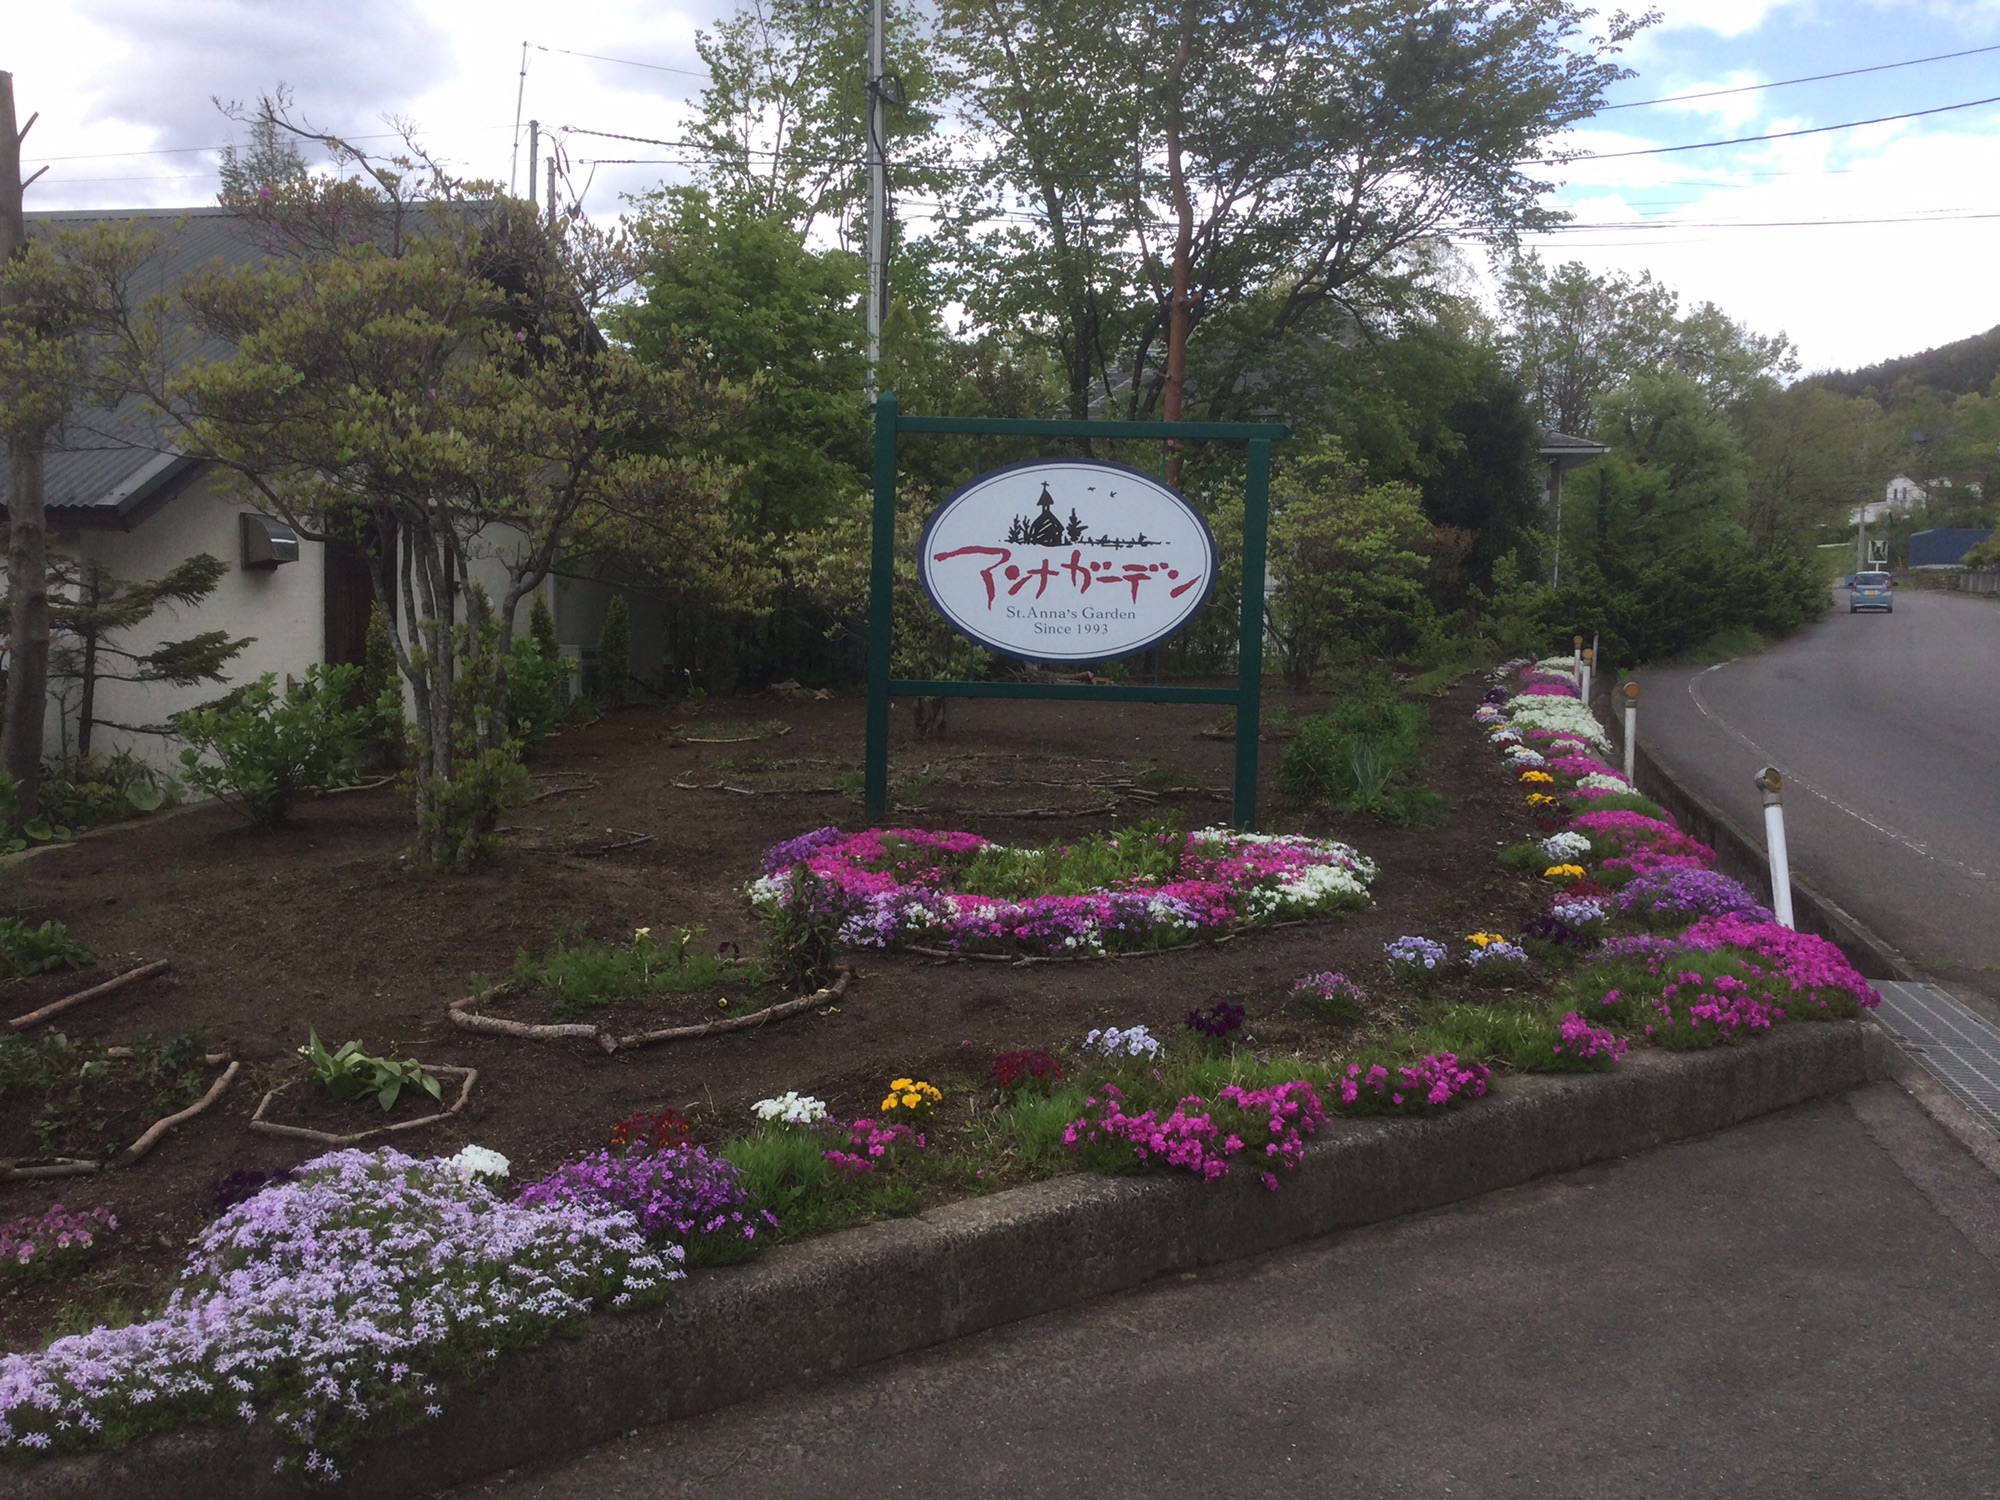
1180,304
28,628
27,547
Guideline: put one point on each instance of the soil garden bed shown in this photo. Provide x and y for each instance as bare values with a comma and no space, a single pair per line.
656,818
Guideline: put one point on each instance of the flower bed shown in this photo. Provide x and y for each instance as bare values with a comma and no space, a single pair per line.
332,1299
907,887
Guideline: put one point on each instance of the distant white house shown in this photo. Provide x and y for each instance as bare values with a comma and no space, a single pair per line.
115,497
1900,497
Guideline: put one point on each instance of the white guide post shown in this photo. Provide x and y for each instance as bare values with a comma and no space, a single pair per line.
1589,661
1576,655
1772,785
1631,725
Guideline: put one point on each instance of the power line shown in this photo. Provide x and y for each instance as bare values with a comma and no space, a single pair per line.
626,61
1655,224
1785,83
384,135
1745,140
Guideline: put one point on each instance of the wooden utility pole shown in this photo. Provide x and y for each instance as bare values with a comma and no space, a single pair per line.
27,527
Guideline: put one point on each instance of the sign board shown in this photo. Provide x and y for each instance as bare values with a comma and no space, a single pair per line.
1067,560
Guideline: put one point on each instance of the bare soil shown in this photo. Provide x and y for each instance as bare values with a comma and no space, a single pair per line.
655,818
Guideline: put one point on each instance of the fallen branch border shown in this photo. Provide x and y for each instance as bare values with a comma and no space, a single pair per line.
71,1166
465,1018
57,1007
327,1138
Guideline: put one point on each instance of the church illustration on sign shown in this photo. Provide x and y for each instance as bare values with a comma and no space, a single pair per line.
1048,530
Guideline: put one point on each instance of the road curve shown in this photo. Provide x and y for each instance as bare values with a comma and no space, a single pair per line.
1887,728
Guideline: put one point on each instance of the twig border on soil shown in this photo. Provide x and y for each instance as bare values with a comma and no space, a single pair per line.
57,1007
72,1166
465,1018
328,1138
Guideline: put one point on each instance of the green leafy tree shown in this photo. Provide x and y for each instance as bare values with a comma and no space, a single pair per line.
1347,558
387,734
439,374
93,610
64,299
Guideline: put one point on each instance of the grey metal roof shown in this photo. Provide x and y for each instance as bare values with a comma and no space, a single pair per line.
109,469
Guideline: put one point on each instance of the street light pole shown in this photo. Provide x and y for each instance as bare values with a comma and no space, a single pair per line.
878,185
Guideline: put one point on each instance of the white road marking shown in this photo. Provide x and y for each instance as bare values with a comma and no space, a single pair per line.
1915,846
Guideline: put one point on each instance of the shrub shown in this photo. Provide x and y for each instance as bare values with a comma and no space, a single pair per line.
386,730
1361,754
269,750
534,672
27,949
802,932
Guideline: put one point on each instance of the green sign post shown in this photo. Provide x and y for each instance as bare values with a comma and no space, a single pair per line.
1245,697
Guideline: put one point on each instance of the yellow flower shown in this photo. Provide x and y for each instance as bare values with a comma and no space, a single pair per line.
911,1094
1483,938
1563,872
1540,799
1532,775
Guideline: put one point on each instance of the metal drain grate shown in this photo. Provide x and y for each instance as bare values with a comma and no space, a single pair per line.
1960,1047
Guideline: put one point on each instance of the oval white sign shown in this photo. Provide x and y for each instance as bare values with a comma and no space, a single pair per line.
1067,560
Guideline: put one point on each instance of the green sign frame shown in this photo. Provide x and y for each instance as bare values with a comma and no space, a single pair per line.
1245,697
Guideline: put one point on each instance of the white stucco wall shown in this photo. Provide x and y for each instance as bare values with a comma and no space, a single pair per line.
282,608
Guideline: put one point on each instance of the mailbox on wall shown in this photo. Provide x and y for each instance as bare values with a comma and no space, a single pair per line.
267,543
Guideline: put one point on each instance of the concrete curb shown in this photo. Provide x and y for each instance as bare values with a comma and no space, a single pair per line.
850,1299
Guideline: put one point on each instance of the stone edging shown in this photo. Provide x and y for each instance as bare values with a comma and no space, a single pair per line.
868,1294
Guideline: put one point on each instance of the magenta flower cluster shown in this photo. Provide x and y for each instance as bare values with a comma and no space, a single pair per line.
675,1194
1432,1082
867,1143
893,887
1577,1038
1724,1003
1191,1139
44,1241
1810,965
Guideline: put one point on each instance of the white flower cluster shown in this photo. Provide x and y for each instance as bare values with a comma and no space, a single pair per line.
1520,755
1559,715
1604,782
1557,664
791,1108
1133,1041
478,1161
1563,846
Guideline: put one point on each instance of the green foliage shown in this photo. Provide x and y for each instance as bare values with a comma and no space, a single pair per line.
266,751
801,933
1035,1125
26,949
1530,857
349,1073
1151,852
459,816
385,736
614,655
782,1169
1622,802
1347,558
1364,754
583,975
1522,1037
533,674
77,1101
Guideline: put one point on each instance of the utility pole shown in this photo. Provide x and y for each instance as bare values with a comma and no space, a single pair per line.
552,190
27,529
534,150
878,185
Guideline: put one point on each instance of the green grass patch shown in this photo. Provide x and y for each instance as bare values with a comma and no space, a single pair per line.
581,974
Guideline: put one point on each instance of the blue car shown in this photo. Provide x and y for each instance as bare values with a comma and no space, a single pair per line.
1870,591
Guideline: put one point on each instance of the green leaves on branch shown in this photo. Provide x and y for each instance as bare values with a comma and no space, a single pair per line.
266,749
349,1073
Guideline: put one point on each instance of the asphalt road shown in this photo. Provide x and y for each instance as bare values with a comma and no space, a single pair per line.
1806,1305
1887,729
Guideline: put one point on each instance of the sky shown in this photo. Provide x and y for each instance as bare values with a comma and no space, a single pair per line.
125,92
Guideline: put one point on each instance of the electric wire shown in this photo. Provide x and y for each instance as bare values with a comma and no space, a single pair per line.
1745,140
1785,83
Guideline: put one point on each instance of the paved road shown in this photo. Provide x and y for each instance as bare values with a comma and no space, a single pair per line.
1806,1305
1887,728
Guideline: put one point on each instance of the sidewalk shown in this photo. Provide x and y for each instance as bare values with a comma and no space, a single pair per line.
1808,1304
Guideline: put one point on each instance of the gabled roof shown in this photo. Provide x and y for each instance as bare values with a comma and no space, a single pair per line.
109,470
